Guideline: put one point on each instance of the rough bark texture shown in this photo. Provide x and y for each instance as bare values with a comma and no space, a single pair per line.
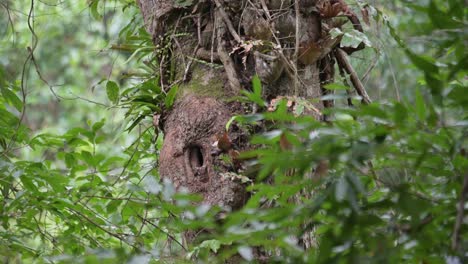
223,45
189,157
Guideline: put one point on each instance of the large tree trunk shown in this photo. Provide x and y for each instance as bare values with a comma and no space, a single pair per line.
216,47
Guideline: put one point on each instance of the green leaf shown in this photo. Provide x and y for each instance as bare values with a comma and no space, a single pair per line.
353,38
98,125
170,97
135,123
335,32
112,90
212,244
257,85
441,19
400,114
232,119
374,110
420,106
94,9
423,62
256,95
70,160
12,99
88,157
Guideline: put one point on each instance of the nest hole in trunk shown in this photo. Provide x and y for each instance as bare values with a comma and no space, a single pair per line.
195,157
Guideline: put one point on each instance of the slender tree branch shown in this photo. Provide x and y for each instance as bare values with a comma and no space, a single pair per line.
118,236
290,67
231,73
345,82
10,20
296,48
344,63
227,21
144,220
24,76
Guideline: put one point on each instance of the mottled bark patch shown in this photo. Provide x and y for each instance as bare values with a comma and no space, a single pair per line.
188,156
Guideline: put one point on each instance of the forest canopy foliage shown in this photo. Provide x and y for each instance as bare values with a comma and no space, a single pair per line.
79,152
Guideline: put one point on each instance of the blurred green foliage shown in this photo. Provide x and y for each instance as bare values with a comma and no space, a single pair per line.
78,172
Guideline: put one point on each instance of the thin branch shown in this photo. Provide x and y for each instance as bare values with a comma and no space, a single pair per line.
199,29
46,235
135,200
370,68
138,183
10,20
144,221
23,84
164,232
124,169
118,236
345,82
227,21
77,97
296,48
395,83
38,71
231,73
343,62
290,68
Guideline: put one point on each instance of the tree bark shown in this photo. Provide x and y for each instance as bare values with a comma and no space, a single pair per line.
217,46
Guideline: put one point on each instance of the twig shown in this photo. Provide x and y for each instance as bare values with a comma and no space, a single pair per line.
265,9
24,84
460,212
199,29
135,200
164,232
370,68
77,97
345,82
10,20
227,21
290,67
36,66
296,48
144,221
231,73
395,83
343,62
137,143
118,236
46,235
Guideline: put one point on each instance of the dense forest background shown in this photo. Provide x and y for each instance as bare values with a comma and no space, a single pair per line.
79,151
